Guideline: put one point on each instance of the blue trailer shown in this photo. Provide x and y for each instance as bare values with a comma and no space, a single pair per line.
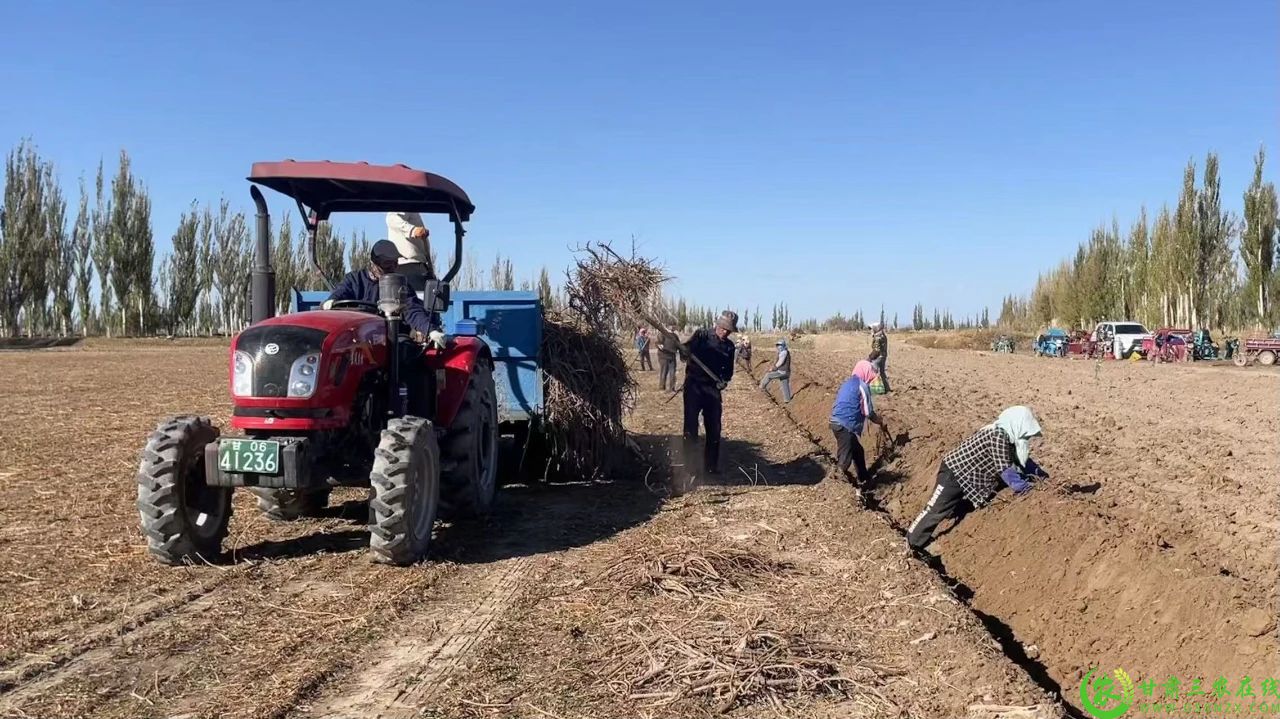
510,323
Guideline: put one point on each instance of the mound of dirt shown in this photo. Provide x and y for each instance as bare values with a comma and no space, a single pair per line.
1153,543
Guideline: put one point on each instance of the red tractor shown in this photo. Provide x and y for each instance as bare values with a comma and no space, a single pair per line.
319,398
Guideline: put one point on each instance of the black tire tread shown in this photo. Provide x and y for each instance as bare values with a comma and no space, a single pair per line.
389,542
458,491
160,511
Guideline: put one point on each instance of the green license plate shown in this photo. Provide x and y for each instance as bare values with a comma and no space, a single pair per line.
251,456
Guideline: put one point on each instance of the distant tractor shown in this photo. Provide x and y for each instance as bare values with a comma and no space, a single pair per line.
1263,350
1052,343
1081,346
1203,347
320,397
1168,344
1002,344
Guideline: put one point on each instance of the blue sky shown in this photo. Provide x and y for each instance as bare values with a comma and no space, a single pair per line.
830,155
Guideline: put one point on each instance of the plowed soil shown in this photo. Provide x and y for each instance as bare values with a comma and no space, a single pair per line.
1153,547
528,613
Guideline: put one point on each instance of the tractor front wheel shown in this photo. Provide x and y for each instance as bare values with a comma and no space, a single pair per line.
1240,360
470,449
406,491
284,505
183,518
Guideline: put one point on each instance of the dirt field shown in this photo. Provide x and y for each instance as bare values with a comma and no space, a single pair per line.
1152,548
1154,545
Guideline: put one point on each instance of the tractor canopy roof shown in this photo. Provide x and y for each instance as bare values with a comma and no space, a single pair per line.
327,187
1055,332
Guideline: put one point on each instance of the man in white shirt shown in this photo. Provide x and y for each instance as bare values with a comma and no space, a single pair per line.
407,232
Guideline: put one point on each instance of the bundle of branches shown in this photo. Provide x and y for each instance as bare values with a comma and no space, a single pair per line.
609,290
588,383
728,664
689,571
588,388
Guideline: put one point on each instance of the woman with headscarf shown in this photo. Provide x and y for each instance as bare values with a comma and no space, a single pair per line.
972,473
850,412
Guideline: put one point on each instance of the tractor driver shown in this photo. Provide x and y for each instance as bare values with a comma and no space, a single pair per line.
362,286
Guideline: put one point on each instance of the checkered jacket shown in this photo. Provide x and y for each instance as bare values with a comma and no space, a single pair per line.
978,462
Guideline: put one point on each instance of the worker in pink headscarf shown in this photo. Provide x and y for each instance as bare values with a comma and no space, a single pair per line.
852,410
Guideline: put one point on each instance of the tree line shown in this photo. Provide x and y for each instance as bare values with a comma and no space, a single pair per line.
99,273
1196,264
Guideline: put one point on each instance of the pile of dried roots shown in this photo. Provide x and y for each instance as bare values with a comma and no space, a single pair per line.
725,662
588,382
686,571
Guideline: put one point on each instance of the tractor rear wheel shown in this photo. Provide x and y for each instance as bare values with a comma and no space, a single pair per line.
469,449
406,491
1266,358
182,517
284,505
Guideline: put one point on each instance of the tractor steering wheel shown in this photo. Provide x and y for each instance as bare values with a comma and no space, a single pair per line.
359,305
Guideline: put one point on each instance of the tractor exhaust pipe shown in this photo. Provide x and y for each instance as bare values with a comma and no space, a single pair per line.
262,283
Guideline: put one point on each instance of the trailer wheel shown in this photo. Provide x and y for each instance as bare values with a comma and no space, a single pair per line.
406,491
469,470
182,517
284,505
1267,358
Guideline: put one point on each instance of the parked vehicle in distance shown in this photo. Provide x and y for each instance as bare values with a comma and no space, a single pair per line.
1263,350
1053,343
1168,344
1118,340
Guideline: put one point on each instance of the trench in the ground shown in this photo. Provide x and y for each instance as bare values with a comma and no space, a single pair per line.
1000,632
1076,608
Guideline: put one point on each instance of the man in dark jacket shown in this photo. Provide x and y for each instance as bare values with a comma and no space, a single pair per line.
668,348
709,370
362,286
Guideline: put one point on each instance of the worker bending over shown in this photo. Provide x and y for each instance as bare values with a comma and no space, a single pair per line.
851,411
972,473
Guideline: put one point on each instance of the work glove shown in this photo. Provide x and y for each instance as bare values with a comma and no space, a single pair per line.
1035,470
327,304
1015,480
436,339
721,385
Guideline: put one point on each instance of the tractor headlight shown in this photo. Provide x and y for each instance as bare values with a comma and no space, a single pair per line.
242,374
302,375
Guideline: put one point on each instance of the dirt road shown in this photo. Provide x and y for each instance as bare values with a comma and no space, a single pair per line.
528,613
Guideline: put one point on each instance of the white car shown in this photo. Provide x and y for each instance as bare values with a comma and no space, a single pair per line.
1120,338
